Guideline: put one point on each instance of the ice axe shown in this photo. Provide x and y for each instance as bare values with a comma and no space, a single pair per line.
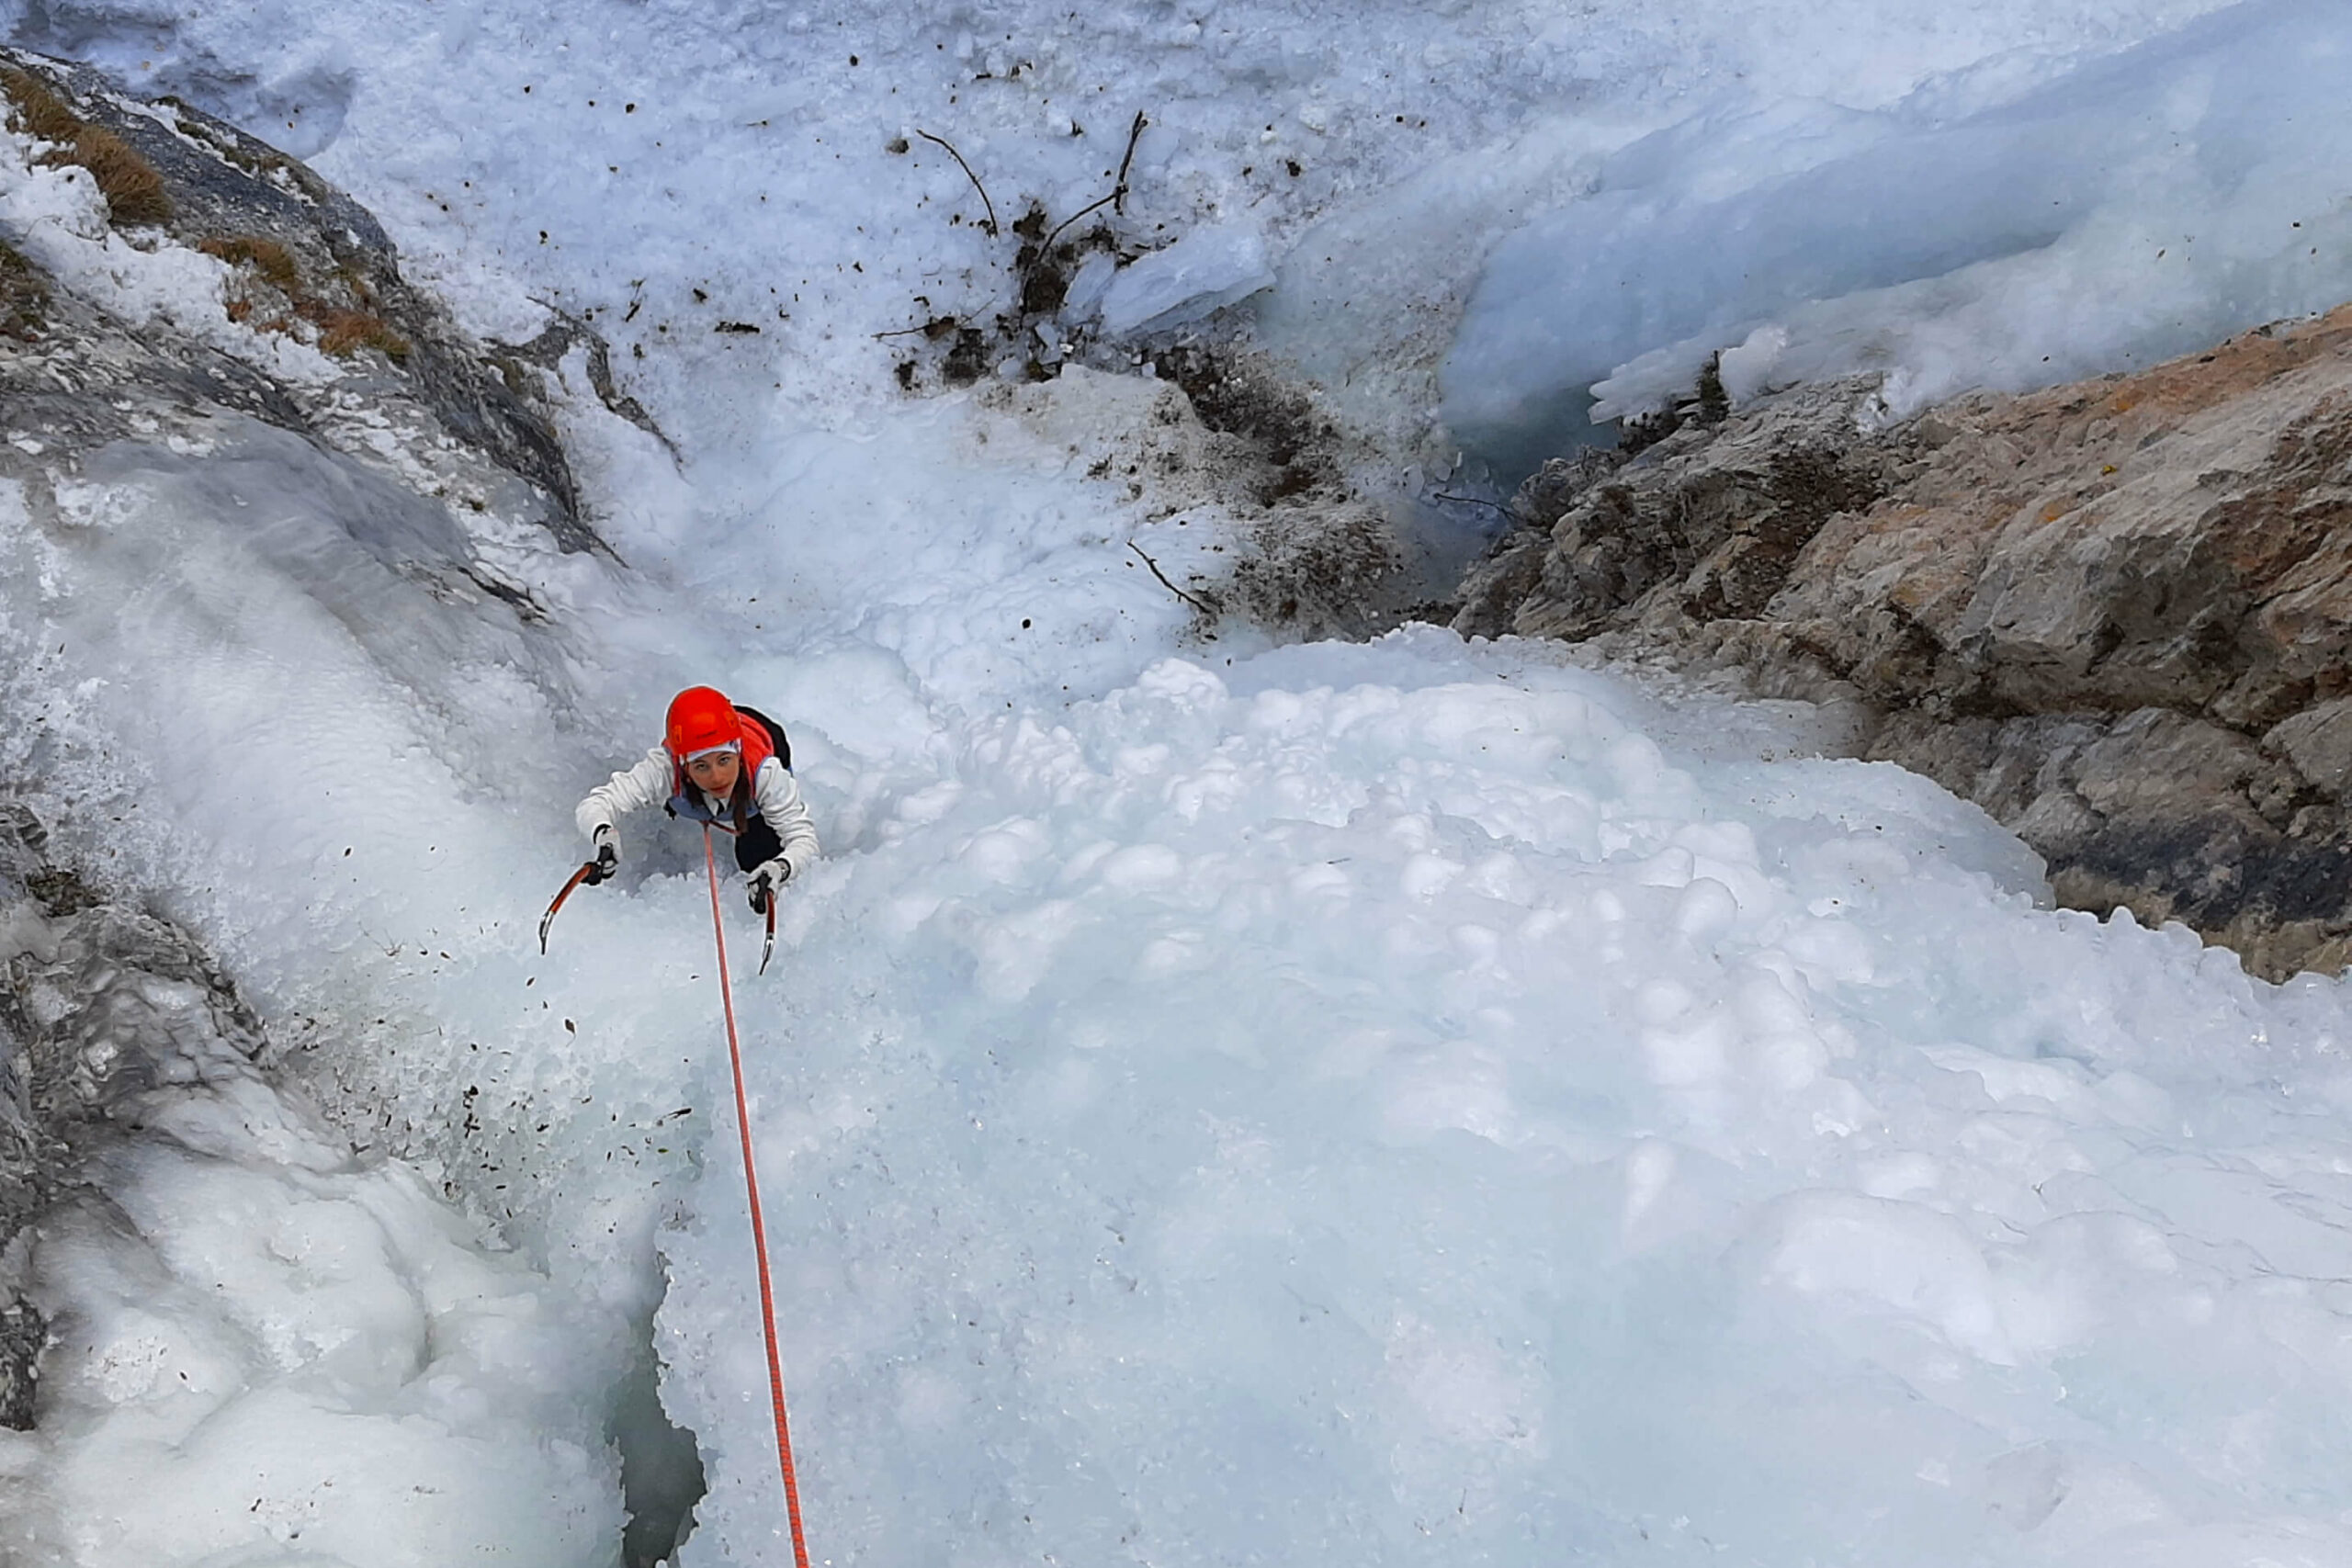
592,873
763,899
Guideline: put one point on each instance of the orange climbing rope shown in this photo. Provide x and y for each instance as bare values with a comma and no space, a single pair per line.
759,1230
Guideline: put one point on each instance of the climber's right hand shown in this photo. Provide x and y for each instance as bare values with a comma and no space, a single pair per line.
608,853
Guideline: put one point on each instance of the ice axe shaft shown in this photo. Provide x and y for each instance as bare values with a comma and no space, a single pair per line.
768,945
587,874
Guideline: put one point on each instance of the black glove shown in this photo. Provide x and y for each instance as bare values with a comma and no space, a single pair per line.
608,855
766,881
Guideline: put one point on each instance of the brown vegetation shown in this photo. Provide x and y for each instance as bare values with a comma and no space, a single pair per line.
134,191
23,294
271,260
35,109
345,332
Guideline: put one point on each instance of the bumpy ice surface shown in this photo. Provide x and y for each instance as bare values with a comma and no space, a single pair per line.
1407,1102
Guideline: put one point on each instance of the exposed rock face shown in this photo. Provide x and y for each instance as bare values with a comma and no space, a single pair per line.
221,277
1707,522
2117,614
176,295
98,1004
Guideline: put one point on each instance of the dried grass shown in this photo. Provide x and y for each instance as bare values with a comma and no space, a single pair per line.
37,110
342,332
134,191
271,260
23,294
345,332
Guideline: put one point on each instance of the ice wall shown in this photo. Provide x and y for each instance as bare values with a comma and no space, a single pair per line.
666,167
250,680
1381,1105
258,1341
2137,206
1405,1103
1373,1101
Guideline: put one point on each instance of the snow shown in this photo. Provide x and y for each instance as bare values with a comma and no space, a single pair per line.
269,1350
57,219
1408,1102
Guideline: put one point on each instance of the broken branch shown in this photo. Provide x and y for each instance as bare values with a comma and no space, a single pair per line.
1135,134
977,185
1473,501
1180,593
1116,202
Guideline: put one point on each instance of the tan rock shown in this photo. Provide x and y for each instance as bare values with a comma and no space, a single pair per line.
2319,742
2117,614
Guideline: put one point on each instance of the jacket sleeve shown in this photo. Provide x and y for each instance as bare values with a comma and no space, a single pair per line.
778,794
632,789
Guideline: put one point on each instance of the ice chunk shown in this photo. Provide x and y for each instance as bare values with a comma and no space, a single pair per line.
1089,284
1205,271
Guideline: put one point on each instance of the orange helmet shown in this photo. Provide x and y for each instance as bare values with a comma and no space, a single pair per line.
700,720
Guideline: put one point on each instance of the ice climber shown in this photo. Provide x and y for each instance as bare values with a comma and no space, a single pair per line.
718,764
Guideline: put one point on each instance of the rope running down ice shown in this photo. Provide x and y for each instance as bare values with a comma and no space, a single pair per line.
758,1229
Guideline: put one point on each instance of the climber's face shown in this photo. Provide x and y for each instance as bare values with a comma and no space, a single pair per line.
714,772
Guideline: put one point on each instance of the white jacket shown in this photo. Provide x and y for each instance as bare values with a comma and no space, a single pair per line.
648,783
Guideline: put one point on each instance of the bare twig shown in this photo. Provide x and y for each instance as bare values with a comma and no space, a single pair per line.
1180,593
977,185
1473,501
1117,200
1135,134
1045,245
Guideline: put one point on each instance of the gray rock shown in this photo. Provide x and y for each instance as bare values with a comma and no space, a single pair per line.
2319,742
312,265
2117,614
1713,516
435,457
1545,496
99,1002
